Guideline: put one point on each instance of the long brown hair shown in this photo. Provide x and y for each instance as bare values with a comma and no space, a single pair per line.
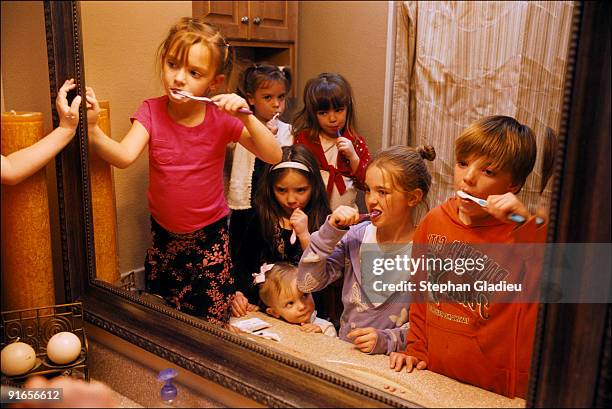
328,90
270,211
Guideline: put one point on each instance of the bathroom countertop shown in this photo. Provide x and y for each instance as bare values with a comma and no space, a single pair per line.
424,388
131,373
122,401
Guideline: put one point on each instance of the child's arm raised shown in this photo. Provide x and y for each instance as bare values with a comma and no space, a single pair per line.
120,154
323,261
256,137
25,162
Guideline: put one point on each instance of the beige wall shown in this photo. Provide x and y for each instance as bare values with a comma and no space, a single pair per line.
119,42
120,39
25,73
347,37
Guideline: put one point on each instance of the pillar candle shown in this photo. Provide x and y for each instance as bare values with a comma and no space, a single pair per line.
104,209
27,265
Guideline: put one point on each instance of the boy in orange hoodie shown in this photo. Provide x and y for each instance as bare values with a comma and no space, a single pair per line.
485,344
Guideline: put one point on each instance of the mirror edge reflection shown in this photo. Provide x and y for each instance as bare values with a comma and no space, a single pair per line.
127,314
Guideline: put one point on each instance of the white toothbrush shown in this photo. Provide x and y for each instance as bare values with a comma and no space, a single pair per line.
517,218
206,99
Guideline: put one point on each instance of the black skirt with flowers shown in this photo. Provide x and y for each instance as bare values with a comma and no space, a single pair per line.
192,271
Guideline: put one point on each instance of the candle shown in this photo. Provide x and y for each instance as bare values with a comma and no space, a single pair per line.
103,208
17,358
27,261
63,348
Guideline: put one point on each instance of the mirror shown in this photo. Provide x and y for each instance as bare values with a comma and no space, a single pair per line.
25,88
226,358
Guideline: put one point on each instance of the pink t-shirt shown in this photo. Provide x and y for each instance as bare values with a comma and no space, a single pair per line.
186,165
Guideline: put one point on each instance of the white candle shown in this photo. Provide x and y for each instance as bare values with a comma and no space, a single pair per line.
63,348
17,358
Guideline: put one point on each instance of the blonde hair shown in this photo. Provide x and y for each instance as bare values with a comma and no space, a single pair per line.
277,282
510,145
406,166
189,31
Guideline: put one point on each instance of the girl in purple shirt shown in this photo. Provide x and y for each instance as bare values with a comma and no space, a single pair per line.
396,181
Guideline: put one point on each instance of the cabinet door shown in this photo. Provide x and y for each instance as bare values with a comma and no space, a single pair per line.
230,16
273,20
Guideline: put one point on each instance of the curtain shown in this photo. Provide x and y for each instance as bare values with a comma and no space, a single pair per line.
456,62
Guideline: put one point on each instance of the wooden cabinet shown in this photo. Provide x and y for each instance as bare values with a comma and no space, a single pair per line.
251,20
257,30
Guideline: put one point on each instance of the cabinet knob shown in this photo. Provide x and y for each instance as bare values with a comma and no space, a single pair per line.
244,20
257,21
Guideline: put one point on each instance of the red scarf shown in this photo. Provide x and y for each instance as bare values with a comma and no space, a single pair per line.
342,168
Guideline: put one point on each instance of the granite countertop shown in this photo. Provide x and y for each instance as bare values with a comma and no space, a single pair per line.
424,388
122,401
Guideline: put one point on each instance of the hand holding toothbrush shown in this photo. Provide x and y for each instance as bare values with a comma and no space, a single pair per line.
299,223
346,149
343,217
272,124
506,207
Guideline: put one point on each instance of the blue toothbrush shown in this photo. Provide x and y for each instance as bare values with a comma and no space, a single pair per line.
517,218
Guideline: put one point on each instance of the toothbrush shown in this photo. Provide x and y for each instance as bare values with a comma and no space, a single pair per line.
517,218
207,100
368,216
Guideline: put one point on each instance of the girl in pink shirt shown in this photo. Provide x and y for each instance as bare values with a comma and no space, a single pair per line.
189,263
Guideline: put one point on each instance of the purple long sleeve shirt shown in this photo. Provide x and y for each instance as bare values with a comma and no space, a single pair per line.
333,254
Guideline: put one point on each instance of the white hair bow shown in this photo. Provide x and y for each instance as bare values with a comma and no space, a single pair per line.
261,276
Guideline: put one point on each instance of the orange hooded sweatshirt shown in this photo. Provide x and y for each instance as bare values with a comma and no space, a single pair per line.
482,344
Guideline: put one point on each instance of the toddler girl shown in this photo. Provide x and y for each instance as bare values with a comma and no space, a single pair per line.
290,203
326,126
189,263
279,293
397,180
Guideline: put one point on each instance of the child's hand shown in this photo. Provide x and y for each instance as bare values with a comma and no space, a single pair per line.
240,305
272,124
230,103
346,148
343,217
310,327
364,338
502,206
93,107
299,221
68,114
397,360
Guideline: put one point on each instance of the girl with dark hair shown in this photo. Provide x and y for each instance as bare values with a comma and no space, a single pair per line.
290,203
326,126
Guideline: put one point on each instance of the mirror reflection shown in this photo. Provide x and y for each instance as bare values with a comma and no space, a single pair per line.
29,146
439,99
